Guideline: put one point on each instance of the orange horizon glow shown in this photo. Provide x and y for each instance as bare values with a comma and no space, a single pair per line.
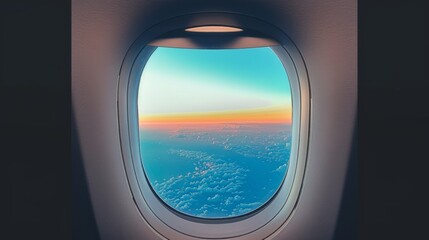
203,126
266,116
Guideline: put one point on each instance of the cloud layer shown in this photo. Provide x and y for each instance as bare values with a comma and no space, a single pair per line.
229,172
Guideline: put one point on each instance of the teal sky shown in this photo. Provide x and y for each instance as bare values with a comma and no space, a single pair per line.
178,80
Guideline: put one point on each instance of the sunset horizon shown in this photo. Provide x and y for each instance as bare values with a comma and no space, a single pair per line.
265,116
211,122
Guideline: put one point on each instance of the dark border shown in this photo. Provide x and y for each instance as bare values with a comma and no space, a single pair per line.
393,119
35,118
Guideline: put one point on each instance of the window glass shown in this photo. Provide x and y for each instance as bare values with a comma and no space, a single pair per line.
215,128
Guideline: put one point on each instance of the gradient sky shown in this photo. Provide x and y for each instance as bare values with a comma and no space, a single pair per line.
207,85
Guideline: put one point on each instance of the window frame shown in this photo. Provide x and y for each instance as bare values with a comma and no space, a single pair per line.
169,223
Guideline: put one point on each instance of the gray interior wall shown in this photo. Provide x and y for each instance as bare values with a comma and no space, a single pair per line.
324,31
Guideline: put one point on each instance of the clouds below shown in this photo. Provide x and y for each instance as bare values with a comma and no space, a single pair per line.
213,187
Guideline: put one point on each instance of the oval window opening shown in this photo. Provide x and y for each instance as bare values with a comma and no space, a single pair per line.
215,128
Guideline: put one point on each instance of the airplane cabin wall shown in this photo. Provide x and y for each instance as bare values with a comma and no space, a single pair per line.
324,31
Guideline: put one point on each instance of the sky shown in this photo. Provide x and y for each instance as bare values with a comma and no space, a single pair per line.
180,85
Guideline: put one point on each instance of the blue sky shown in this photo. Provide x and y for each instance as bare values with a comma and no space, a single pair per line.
184,81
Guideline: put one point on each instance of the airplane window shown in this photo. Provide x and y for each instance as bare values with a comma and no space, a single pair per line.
215,128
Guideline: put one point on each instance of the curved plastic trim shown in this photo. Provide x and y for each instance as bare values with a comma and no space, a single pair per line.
169,224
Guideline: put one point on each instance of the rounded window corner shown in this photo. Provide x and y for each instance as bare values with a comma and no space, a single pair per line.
172,37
